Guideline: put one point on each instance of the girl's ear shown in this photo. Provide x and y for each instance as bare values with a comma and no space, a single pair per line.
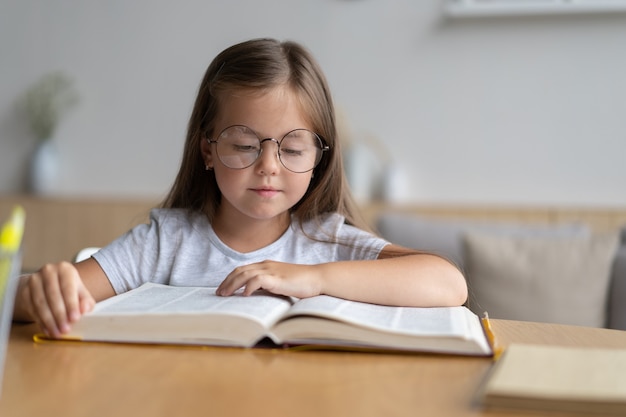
207,153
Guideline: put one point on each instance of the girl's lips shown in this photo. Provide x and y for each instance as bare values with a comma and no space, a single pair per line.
266,192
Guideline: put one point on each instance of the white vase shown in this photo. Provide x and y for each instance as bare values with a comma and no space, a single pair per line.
44,168
395,185
359,160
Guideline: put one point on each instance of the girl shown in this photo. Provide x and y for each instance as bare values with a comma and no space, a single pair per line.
260,202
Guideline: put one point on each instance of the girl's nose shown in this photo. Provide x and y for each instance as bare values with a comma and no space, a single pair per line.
268,162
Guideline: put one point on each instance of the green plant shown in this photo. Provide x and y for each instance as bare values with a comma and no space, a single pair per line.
46,101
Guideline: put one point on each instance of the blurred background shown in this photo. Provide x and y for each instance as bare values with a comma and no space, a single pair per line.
507,110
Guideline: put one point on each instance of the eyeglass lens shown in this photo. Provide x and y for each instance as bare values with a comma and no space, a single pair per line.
239,147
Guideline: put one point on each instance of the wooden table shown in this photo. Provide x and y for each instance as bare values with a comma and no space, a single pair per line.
61,379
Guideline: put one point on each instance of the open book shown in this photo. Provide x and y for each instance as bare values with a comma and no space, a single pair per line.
155,313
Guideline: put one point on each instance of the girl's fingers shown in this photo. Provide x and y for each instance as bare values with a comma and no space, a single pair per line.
275,277
232,283
251,277
72,291
39,306
86,301
55,294
57,298
255,283
28,296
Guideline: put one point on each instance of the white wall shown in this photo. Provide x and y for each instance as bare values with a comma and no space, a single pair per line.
522,110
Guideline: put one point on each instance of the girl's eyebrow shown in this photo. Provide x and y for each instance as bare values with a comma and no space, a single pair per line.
295,132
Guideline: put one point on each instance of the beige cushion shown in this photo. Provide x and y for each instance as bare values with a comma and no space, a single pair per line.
557,280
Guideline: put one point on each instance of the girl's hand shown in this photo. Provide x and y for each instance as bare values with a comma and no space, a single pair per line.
55,297
293,280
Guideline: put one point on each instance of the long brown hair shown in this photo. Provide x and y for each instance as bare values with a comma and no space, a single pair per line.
262,64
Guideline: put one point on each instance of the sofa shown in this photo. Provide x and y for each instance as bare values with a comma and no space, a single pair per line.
563,273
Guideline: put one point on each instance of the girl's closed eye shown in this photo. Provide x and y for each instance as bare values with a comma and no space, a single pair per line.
291,152
245,148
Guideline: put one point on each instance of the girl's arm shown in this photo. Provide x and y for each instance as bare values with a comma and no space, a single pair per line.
58,294
399,277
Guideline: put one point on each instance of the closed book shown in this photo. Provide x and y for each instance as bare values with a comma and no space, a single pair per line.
568,379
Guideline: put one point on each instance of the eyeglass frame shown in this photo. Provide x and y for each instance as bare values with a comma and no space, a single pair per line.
323,147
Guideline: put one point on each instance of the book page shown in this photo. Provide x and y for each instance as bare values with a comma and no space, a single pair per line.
447,321
164,299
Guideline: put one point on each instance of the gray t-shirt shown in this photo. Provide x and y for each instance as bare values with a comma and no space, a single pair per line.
179,247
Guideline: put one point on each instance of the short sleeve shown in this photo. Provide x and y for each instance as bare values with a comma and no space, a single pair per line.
349,242
140,255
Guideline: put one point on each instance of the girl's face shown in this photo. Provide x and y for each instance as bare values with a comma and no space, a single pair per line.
265,190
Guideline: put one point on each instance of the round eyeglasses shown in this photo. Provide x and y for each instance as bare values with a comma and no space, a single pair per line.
299,151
